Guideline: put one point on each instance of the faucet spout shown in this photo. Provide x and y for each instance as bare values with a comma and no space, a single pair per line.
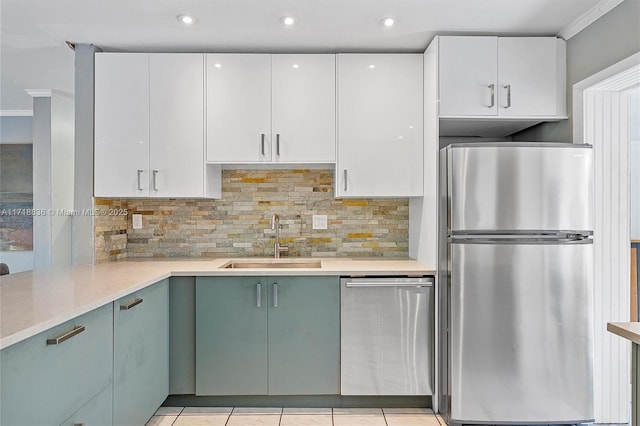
277,248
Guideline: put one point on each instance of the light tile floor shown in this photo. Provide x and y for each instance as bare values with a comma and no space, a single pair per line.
243,416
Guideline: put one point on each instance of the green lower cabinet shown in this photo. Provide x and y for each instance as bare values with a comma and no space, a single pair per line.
231,336
267,335
97,412
304,336
141,354
48,377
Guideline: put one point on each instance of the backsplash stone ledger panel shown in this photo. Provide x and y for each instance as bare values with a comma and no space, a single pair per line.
239,225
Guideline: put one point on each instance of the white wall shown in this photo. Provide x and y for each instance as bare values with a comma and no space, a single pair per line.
16,130
634,163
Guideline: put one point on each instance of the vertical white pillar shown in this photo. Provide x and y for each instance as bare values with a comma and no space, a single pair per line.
53,177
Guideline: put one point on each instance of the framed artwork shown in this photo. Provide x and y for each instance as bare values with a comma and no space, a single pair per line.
16,196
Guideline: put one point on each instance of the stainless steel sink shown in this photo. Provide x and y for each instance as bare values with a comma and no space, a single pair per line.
270,264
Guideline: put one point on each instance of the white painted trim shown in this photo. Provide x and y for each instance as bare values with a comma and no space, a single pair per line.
47,93
601,118
588,18
581,86
16,113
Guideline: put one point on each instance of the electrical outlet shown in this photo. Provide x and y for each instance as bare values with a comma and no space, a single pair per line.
319,221
137,221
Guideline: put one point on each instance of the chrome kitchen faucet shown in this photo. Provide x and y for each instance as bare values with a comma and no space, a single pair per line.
278,249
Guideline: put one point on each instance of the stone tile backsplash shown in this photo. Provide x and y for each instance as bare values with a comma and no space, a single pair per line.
239,224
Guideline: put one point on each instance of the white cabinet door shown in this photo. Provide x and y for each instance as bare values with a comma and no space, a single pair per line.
304,108
177,125
468,68
121,125
379,125
238,108
527,76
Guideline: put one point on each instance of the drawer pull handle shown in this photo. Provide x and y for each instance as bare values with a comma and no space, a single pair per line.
78,424
275,295
258,295
508,88
129,305
66,336
139,183
492,88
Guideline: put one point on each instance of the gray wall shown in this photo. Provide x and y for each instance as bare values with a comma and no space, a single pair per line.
610,39
12,130
16,129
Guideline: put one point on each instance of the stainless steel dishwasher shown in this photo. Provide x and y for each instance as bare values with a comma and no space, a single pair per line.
387,327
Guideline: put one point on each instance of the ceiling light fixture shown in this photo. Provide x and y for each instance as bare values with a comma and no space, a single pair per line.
296,66
186,19
288,21
388,22
372,66
217,65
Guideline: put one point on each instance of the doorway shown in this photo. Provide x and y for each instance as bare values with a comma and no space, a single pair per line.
602,118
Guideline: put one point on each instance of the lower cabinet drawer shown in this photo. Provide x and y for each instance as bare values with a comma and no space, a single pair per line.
51,375
97,412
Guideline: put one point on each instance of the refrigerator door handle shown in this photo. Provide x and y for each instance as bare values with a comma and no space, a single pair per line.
521,239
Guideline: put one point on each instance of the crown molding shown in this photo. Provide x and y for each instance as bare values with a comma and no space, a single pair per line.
47,93
588,18
16,113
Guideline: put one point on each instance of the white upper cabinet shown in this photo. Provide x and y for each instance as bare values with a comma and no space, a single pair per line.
121,165
468,69
504,77
303,114
379,125
177,125
270,108
531,76
238,108
149,125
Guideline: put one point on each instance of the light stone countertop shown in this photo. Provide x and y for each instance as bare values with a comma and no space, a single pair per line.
34,301
628,330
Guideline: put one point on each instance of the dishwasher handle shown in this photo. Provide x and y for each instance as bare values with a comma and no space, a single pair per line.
390,283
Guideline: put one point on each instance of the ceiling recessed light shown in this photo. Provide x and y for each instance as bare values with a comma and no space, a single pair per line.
217,65
372,66
388,22
186,19
296,66
288,21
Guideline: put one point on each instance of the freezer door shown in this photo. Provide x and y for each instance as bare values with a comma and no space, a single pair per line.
516,187
520,333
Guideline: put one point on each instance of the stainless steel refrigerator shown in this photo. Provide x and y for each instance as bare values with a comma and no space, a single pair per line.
516,273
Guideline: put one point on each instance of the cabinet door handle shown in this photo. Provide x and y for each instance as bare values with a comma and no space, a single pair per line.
508,88
344,178
139,183
258,295
275,295
128,305
66,336
277,143
262,143
78,424
492,88
155,180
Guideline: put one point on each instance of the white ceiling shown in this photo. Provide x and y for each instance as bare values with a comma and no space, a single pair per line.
34,56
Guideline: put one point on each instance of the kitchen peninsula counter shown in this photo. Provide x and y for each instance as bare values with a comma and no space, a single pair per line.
628,330
34,301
